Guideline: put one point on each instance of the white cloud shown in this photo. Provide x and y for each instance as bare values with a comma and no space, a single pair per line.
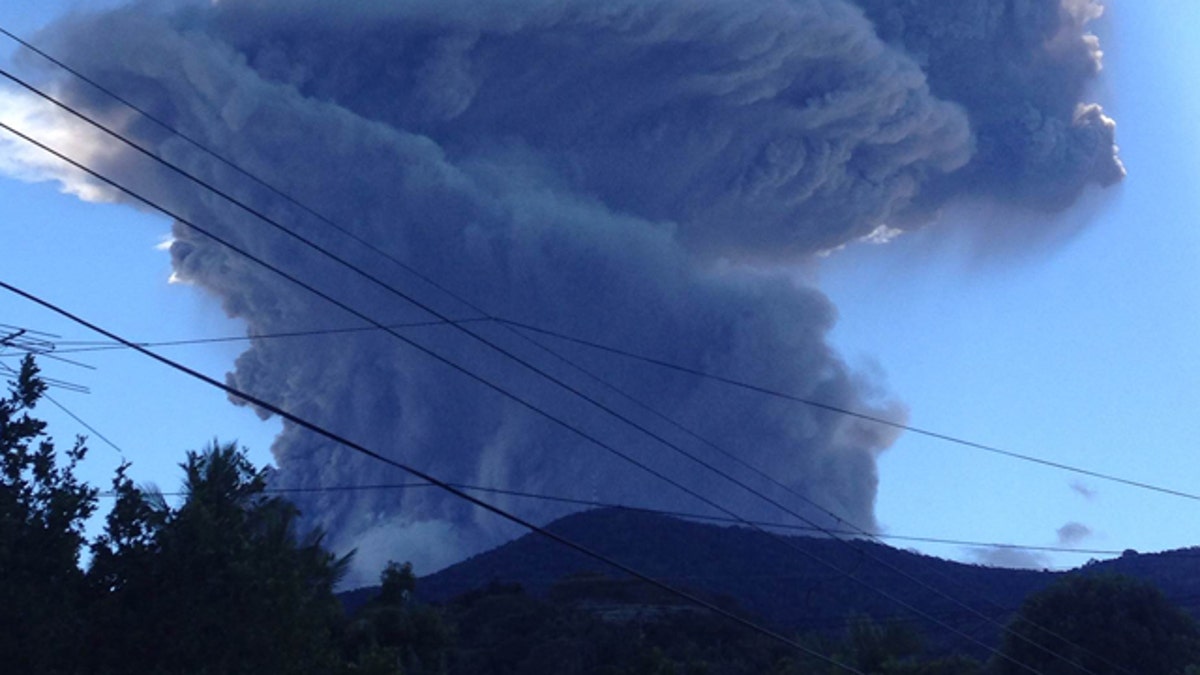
49,125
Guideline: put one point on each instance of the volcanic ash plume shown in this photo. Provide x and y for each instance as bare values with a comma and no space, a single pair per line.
654,174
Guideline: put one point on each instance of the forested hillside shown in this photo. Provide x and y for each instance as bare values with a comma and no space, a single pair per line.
809,584
226,583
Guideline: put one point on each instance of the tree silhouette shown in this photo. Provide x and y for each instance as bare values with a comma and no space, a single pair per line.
1103,623
223,584
43,507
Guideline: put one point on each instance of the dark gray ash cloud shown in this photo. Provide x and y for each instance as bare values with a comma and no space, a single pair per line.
1083,490
1073,533
645,173
1013,558
1021,70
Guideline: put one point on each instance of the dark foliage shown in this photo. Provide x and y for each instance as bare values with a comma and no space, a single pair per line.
225,584
783,587
222,584
594,625
42,509
393,633
787,589
204,587
1102,623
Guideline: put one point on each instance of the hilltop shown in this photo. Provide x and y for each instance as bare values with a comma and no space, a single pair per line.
802,584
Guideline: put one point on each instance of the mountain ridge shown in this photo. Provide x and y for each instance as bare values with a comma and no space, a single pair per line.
793,583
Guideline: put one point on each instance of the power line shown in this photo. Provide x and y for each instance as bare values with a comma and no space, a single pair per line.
287,197
85,425
523,362
163,124
432,282
859,530
573,390
363,274
374,280
321,294
48,381
510,355
478,378
429,478
87,346
29,341
22,330
70,414
856,530
512,324
78,346
957,440
665,512
329,222
812,528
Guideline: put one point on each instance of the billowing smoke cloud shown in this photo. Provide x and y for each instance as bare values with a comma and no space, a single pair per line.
1070,534
646,173
1073,533
1083,490
1020,69
1013,558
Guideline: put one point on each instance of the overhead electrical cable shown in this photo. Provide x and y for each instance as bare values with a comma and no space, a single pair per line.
405,266
425,278
957,440
80,346
478,378
79,420
74,347
280,193
665,512
289,199
304,423
104,345
383,285
432,282
166,126
85,425
341,305
28,341
407,297
49,381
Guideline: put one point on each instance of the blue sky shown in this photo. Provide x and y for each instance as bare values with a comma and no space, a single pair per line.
1082,352
103,260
